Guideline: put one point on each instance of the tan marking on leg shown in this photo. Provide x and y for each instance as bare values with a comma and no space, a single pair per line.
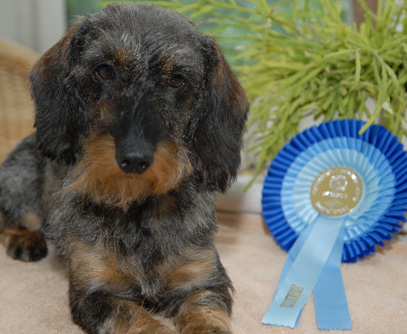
96,267
132,319
192,273
198,316
32,221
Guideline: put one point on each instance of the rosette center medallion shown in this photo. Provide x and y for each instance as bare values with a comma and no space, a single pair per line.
336,191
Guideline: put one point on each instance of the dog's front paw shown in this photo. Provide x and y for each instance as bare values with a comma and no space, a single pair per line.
206,328
156,329
26,246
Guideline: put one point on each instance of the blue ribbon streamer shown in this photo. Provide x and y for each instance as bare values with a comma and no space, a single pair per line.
306,261
331,307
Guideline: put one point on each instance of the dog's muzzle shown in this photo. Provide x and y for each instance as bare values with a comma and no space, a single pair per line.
136,158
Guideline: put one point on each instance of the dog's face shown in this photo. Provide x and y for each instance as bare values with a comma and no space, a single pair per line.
138,100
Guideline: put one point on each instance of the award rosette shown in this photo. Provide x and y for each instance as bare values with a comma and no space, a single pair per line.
331,195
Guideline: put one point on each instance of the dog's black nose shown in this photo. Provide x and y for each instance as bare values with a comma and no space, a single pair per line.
136,160
135,163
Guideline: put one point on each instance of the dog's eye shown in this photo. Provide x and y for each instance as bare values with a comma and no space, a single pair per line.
176,81
106,72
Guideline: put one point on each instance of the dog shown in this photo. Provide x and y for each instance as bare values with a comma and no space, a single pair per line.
139,121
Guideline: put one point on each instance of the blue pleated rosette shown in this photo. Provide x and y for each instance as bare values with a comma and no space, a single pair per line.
376,155
331,195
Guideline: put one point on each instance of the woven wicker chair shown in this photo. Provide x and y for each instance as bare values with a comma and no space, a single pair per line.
16,107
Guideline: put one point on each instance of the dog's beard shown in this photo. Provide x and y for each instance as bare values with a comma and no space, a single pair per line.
99,176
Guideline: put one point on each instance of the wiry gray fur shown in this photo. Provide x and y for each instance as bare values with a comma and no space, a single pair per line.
135,250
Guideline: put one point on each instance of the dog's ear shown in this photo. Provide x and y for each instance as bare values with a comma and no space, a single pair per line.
60,120
216,132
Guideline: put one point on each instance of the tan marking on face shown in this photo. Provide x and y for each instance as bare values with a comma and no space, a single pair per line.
168,65
99,176
101,114
120,56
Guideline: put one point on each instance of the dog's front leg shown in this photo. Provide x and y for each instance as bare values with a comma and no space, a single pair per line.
96,290
204,312
101,313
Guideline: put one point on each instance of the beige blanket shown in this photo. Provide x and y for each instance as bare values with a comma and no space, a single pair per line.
33,296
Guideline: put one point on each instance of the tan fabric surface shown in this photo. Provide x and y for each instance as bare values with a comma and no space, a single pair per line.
33,296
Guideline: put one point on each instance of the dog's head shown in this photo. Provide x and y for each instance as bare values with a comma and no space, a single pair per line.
136,95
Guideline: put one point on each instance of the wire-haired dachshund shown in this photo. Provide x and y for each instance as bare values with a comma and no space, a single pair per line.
139,121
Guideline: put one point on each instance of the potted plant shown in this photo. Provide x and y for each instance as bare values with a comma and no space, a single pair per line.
308,61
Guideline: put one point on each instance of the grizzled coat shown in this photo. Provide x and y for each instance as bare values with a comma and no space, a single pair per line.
138,121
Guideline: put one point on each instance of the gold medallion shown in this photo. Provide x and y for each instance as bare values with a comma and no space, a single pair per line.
336,191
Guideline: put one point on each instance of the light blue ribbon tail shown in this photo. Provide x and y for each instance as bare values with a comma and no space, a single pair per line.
292,255
304,266
331,307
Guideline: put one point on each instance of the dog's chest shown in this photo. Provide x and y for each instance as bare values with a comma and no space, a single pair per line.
146,276
144,254
154,253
